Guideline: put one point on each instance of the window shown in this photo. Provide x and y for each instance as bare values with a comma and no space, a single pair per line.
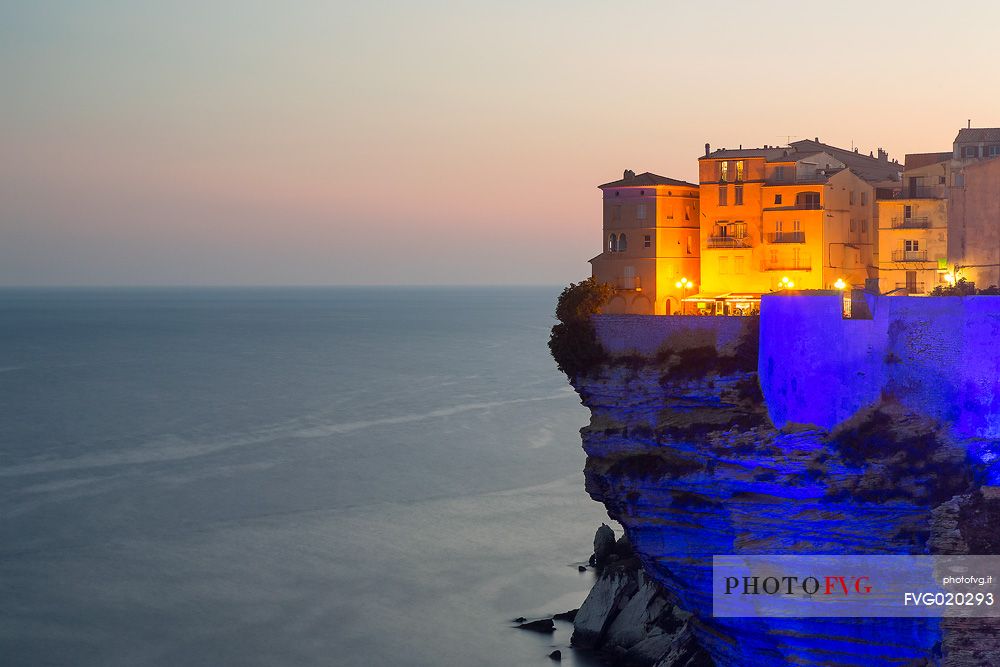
970,151
622,243
686,216
778,224
738,229
797,257
864,198
779,174
907,211
640,212
807,199
738,265
738,195
993,151
941,180
722,195
647,241
617,193
739,170
723,266
864,226
689,245
777,199
851,197
774,256
724,171
613,243
797,226
911,246
852,225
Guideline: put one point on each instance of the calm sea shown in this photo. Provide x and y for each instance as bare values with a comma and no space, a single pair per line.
343,476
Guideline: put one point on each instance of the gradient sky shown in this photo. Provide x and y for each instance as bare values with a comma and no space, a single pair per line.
243,142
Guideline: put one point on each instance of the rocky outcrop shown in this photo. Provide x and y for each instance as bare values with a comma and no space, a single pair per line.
682,452
629,617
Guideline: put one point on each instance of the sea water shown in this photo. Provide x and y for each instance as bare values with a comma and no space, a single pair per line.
329,476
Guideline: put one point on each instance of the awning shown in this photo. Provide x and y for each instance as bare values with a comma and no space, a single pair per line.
743,296
707,296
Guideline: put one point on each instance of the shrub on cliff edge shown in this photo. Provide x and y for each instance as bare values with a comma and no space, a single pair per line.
573,342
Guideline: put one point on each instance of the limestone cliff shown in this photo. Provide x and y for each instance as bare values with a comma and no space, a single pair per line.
682,450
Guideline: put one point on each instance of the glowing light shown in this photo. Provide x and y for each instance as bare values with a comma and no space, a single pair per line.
786,283
683,283
840,284
949,278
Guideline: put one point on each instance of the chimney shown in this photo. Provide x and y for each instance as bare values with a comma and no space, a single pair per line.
970,123
816,139
708,148
628,174
882,156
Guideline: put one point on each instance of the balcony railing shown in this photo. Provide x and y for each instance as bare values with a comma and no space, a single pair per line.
729,242
786,237
911,288
788,266
911,223
909,255
921,192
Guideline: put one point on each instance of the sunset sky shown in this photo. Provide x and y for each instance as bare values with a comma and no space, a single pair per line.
246,142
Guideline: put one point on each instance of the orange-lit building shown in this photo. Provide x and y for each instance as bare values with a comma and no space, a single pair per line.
801,215
650,238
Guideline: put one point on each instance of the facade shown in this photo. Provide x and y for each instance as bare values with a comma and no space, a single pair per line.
650,239
913,230
974,223
774,217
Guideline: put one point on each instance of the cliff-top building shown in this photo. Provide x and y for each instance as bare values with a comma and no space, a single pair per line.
801,215
913,229
945,221
651,251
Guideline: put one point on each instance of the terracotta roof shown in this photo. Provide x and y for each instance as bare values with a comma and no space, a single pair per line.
917,160
647,179
975,135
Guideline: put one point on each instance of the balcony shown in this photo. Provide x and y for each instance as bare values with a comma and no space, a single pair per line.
921,192
729,242
911,223
788,266
911,288
786,237
909,255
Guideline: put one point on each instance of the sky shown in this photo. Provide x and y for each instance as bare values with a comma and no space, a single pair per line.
314,143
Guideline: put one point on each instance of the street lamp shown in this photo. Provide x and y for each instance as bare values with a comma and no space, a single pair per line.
786,283
840,284
684,285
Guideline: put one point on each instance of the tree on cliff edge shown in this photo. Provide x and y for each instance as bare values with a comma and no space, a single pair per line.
573,342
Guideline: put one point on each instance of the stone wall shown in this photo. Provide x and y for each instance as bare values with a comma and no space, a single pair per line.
645,335
937,356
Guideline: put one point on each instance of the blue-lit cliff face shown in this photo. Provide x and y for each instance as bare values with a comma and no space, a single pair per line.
683,451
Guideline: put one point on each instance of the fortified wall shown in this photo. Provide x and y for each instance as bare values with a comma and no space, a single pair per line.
938,356
935,356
